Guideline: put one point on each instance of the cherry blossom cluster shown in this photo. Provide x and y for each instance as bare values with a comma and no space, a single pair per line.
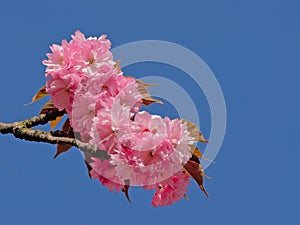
104,108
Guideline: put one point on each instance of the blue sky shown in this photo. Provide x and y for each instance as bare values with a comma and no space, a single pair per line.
253,49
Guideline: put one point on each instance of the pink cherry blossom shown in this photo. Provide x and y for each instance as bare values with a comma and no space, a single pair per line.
83,112
97,82
104,108
105,173
170,190
150,148
61,87
177,133
93,52
128,93
109,123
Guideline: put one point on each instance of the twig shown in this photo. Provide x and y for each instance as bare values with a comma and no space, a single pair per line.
32,122
22,130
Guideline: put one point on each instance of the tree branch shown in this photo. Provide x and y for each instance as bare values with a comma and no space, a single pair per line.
32,122
23,131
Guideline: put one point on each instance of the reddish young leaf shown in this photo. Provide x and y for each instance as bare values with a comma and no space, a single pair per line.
53,123
40,94
89,168
117,65
46,108
125,190
145,84
195,170
62,148
195,159
185,197
195,132
67,129
146,97
197,153
88,159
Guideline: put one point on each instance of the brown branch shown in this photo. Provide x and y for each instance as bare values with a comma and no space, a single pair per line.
22,130
32,122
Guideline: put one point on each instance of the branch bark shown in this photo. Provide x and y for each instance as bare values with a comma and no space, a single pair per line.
23,130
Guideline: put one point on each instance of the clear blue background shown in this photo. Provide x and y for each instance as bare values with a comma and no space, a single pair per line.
253,47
